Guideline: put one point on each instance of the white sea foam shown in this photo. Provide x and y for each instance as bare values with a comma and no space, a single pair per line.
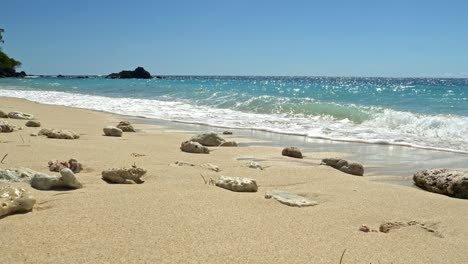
439,132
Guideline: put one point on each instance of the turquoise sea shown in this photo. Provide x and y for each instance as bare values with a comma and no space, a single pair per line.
417,112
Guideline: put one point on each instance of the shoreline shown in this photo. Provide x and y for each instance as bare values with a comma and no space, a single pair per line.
175,217
66,96
382,159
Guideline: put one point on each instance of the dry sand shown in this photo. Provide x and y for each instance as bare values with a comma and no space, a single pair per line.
174,217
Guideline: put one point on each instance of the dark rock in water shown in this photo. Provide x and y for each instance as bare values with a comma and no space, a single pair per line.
343,165
443,181
7,72
292,152
138,73
60,76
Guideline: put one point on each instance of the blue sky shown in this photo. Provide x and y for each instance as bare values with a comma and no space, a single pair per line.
313,38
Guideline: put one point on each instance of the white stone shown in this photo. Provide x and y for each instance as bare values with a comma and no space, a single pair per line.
237,184
15,200
66,180
290,199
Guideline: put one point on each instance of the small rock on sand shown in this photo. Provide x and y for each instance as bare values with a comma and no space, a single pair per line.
66,180
292,152
20,115
208,139
343,165
58,133
125,126
15,200
72,164
193,147
444,181
3,114
227,133
290,199
17,174
237,184
33,123
5,127
123,175
112,131
229,144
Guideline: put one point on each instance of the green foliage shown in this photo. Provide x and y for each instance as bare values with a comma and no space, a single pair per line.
7,62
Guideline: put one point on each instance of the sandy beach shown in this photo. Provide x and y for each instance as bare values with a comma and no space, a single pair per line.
174,217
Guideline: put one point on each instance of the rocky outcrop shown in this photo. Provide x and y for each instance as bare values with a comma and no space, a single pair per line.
20,115
33,123
343,165
292,152
72,164
5,127
290,199
208,139
58,134
112,131
124,175
3,114
237,184
11,73
443,181
66,180
138,73
15,200
125,126
193,147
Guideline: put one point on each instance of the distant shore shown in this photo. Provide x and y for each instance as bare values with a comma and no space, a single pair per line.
175,217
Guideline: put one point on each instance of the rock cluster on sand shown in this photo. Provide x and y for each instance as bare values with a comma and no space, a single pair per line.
237,184
443,181
72,164
20,115
123,175
112,131
343,165
5,127
15,200
66,180
292,152
290,199
193,147
125,126
33,123
58,133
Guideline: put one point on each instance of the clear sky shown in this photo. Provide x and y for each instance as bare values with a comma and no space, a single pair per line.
215,37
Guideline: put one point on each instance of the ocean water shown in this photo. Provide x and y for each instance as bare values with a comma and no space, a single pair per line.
415,112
